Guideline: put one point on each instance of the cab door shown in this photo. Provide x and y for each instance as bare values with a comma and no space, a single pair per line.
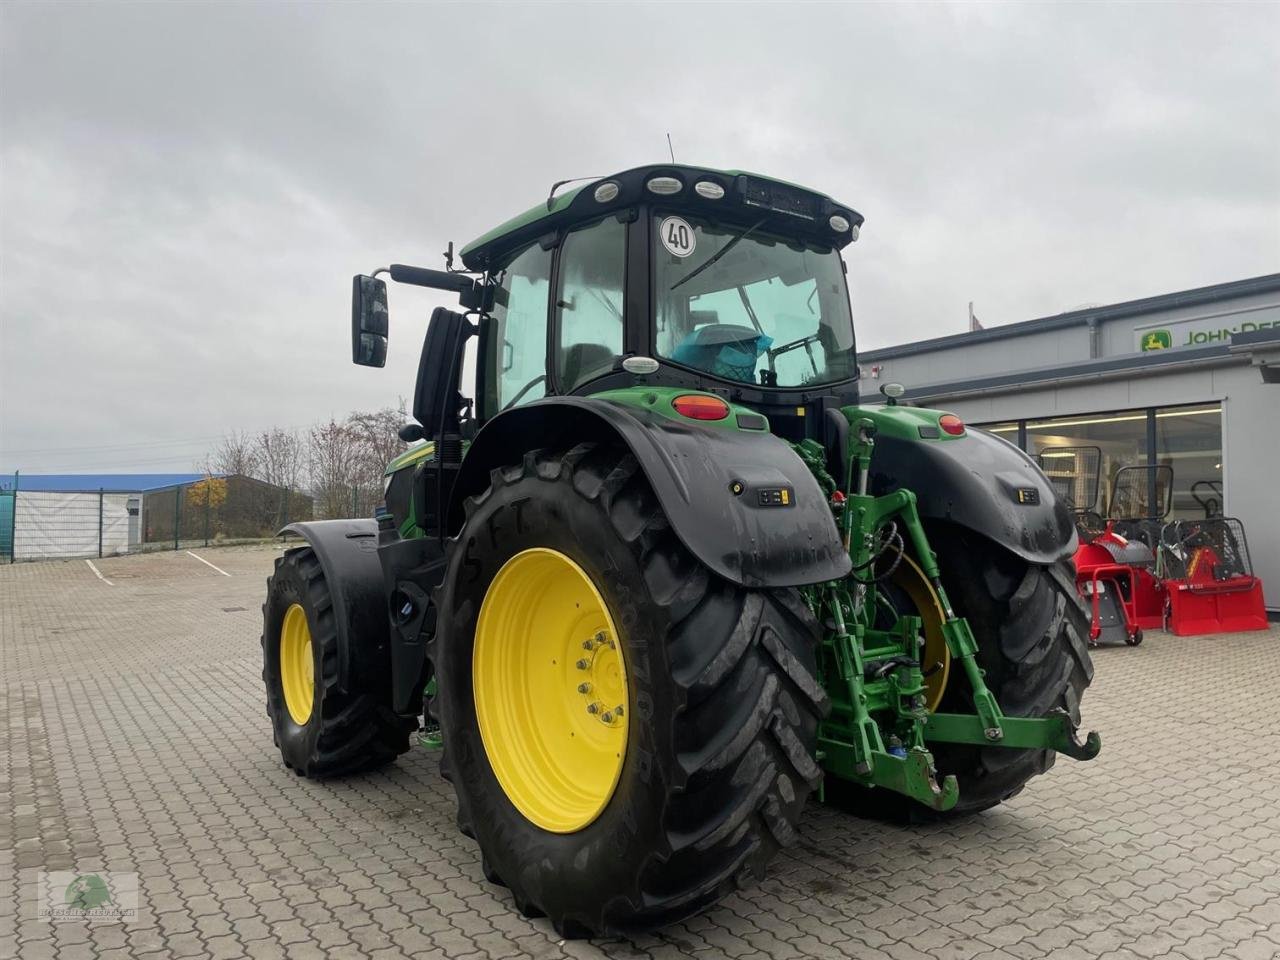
589,307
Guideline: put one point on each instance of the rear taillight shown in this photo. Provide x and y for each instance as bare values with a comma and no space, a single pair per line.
951,424
698,406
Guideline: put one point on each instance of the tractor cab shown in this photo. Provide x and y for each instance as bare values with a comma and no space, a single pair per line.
718,281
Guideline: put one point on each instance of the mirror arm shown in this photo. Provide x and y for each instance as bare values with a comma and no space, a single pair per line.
425,277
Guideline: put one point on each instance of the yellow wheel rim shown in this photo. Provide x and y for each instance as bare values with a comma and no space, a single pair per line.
550,686
297,669
910,579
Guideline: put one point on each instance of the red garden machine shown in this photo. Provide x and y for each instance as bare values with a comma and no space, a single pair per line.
1116,567
1208,578
1108,567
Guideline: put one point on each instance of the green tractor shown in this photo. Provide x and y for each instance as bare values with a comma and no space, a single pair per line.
655,574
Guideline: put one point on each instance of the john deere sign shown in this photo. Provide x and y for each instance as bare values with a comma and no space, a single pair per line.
1157,340
1200,332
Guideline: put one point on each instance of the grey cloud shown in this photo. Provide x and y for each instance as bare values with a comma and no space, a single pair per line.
186,189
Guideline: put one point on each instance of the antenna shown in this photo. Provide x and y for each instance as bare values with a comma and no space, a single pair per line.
670,148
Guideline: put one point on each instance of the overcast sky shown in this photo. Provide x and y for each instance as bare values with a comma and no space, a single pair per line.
186,189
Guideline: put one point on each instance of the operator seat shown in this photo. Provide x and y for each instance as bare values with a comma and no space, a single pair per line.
583,360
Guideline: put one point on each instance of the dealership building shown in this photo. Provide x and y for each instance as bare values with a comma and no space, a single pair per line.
1188,381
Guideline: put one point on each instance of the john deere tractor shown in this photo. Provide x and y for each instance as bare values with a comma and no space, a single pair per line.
655,573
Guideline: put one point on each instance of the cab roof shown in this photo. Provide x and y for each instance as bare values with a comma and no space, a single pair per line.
788,208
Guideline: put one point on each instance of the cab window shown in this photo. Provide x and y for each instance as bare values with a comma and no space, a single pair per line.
589,302
517,343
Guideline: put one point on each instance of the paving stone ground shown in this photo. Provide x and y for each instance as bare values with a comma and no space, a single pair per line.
135,740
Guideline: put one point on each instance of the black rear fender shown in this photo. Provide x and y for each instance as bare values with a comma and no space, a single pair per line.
694,471
975,481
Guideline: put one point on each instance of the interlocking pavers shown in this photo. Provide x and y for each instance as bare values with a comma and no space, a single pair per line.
134,739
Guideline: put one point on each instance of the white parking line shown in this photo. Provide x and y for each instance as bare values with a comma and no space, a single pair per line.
99,573
208,564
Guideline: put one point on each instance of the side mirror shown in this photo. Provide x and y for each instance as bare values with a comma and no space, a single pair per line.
368,322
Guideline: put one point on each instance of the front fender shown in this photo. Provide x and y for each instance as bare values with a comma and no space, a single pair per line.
694,471
348,555
973,481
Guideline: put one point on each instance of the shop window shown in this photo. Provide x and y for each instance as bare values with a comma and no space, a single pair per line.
1007,430
1189,440
1121,439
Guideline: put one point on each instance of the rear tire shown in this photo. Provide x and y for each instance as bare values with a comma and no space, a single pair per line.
1033,632
345,731
721,695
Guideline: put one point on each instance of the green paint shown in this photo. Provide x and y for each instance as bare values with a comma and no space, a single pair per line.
869,659
901,422
541,212
1055,731
430,736
411,457
1157,340
658,401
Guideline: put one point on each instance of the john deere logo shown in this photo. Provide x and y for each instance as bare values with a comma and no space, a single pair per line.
1157,340
87,892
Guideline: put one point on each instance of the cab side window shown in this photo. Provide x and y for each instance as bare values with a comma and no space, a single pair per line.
518,342
589,302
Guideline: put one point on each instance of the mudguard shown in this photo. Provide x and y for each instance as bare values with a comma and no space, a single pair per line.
721,489
981,482
348,554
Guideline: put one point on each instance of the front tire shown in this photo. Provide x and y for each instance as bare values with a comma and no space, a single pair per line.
321,729
720,695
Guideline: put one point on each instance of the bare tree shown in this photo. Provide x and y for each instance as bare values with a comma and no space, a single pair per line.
281,457
341,462
377,434
234,454
334,458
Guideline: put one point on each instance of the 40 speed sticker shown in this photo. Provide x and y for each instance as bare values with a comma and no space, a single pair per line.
677,236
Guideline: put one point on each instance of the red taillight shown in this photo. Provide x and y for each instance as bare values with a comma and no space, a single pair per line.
950,423
697,406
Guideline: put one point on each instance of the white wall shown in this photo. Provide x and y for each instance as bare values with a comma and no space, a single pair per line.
51,525
966,361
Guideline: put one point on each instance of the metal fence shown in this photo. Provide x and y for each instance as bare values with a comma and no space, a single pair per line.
36,525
